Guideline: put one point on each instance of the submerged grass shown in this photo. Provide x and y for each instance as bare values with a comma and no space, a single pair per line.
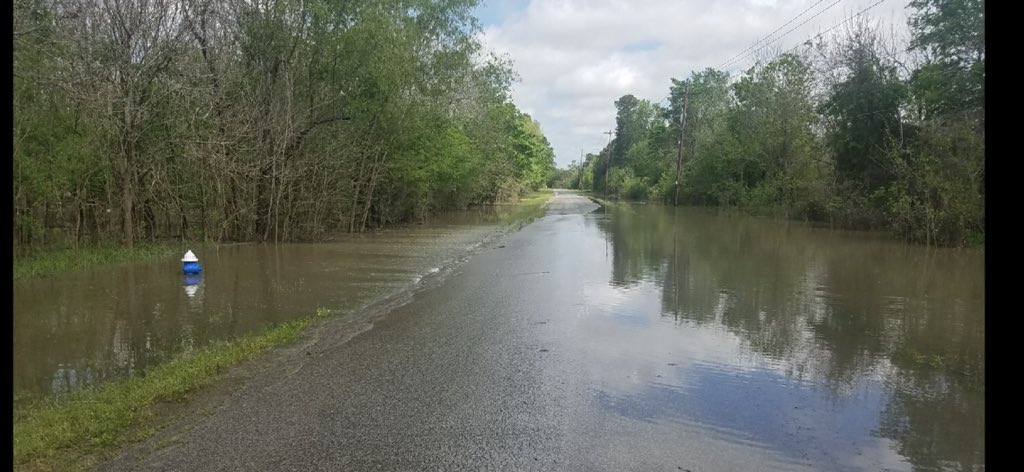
528,208
76,432
42,262
72,434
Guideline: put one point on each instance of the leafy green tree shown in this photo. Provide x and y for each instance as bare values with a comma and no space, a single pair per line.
628,128
938,194
951,34
863,109
258,121
773,123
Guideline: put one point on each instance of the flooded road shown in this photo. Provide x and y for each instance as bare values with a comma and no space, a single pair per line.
80,329
632,338
836,350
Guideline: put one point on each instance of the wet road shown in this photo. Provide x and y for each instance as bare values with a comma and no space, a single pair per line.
512,362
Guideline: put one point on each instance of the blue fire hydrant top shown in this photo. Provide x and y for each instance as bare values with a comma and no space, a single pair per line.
190,263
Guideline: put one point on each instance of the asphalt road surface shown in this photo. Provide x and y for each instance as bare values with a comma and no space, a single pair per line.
495,367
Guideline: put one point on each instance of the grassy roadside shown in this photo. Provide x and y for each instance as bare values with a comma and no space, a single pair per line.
528,208
73,434
604,203
596,198
38,263
43,262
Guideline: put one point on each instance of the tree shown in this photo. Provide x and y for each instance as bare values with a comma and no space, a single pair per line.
863,108
773,125
238,120
951,34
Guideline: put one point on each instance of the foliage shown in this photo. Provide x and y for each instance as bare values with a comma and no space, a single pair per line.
34,263
237,121
843,132
65,435
937,197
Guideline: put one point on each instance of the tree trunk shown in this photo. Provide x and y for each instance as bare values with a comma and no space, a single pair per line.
127,206
263,196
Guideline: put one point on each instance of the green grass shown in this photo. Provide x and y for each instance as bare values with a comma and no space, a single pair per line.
607,204
528,208
41,262
73,434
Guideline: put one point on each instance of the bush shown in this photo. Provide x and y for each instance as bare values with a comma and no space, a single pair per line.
634,189
937,195
663,190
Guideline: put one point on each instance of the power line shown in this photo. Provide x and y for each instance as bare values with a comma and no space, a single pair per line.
752,46
847,20
873,5
744,53
888,109
758,50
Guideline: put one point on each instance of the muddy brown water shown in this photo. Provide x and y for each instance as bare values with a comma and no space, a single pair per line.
826,350
80,329
807,341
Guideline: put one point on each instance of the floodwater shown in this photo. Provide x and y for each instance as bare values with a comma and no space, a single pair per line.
844,350
634,337
80,329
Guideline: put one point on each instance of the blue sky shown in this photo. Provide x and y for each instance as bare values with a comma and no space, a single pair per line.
495,12
576,57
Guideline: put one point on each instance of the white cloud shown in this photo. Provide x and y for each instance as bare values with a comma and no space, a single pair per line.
576,57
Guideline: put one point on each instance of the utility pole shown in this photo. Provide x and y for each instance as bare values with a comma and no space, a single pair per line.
579,175
679,162
571,165
609,164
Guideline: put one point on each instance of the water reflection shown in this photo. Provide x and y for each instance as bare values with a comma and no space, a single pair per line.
882,340
192,281
66,379
81,329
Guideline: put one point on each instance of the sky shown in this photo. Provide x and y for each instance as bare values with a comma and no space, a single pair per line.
576,57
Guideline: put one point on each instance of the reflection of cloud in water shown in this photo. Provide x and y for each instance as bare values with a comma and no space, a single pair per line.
831,348
719,384
762,408
628,307
625,333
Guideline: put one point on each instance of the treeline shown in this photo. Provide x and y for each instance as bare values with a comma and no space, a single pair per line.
259,120
845,131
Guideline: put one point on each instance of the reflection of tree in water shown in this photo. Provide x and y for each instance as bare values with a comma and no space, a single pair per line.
120,328
936,419
123,319
837,308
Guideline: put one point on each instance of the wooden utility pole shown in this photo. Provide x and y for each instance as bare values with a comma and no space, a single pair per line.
609,164
579,175
679,162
